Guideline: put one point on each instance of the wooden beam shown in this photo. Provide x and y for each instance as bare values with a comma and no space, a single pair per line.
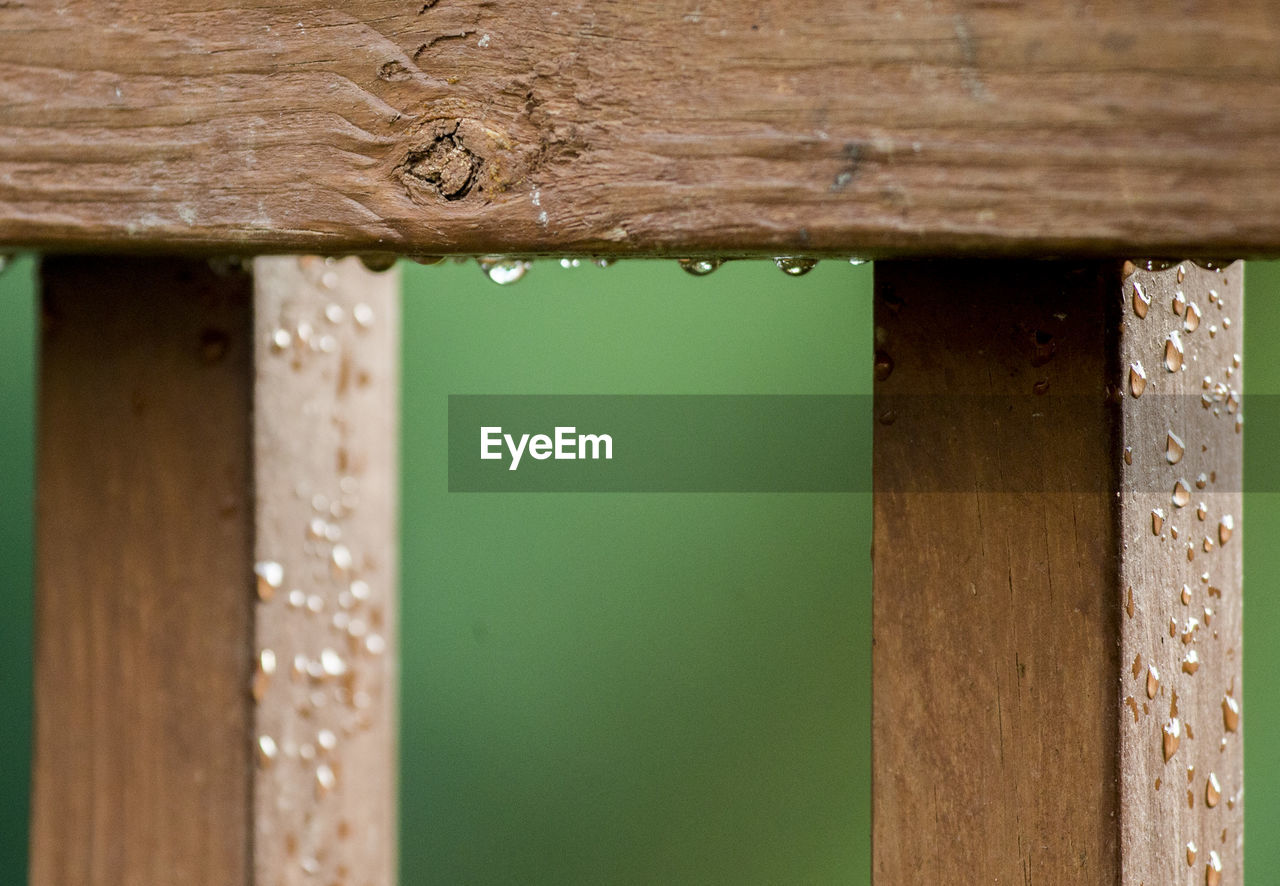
170,746
776,127
1021,597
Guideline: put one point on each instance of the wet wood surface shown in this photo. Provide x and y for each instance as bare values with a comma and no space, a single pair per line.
799,127
216,574
1021,596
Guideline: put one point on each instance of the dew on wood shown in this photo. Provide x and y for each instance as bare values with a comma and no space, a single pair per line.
1181,495
1173,353
1141,301
1137,378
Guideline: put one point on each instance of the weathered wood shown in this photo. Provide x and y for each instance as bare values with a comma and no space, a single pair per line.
796,127
325,443
171,746
142,767
1016,473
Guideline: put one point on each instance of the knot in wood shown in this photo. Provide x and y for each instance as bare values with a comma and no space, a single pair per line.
445,166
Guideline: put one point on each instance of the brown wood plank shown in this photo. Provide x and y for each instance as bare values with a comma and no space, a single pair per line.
1012,739
325,443
142,770
889,128
181,446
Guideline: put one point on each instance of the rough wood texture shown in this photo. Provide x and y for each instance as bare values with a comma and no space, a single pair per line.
1180,653
142,768
1008,530
188,728
325,434
612,127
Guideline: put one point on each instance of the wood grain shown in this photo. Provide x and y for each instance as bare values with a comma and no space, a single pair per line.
189,728
142,770
1013,739
881,128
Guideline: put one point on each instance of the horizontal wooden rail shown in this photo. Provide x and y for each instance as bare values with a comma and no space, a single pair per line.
722,126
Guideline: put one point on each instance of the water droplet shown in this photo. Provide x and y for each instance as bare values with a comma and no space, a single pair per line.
1186,595
360,590
1202,511
315,603
1235,361
363,315
1173,448
1157,520
1181,494
1201,481
1225,527
1182,273
267,751
341,557
604,262
374,644
1213,264
1230,713
326,739
1154,264
331,663
1133,706
427,259
1179,303
1040,387
700,267
267,661
1192,321
1213,870
501,270
794,266
378,261
1191,662
1208,544
297,599
325,779
270,575
1173,532
1128,455
1212,791
857,261
883,365
1137,378
1173,352
1191,853
1141,301
568,263
1171,737
1128,606
887,417
1153,681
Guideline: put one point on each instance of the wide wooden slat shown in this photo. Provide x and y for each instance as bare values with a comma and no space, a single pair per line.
730,127
1020,592
195,722
142,767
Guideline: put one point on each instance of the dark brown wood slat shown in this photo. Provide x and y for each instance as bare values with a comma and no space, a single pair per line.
797,127
1013,735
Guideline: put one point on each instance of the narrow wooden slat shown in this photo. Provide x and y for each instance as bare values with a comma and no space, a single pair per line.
1016,474
793,127
143,568
183,444
325,443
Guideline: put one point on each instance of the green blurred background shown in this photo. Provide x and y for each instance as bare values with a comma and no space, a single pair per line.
617,689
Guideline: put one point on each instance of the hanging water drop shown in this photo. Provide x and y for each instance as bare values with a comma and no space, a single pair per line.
501,270
793,266
378,261
1213,264
427,259
699,267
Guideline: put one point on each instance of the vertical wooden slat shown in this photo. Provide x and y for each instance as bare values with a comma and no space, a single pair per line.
1009,526
143,559
1186,615
182,446
325,443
